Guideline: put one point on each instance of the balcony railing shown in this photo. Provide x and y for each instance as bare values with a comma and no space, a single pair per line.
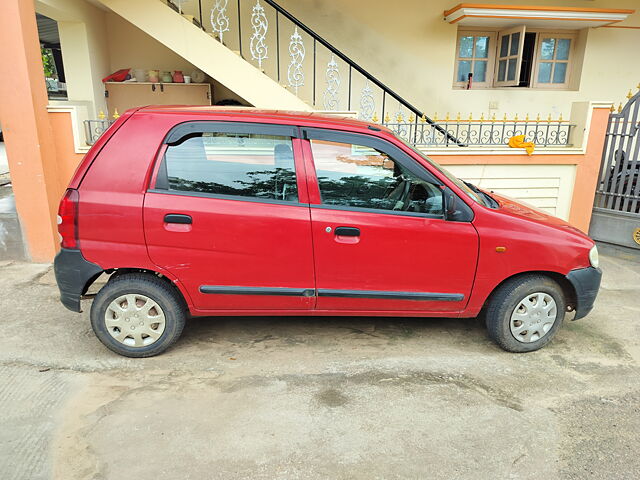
94,128
482,132
475,133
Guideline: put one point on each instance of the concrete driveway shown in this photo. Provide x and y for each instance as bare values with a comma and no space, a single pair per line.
318,398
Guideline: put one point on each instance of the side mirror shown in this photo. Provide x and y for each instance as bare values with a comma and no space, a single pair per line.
455,209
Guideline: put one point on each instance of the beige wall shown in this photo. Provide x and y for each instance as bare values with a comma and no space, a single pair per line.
409,46
85,50
130,47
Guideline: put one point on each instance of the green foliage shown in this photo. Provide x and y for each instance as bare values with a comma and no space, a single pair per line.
48,63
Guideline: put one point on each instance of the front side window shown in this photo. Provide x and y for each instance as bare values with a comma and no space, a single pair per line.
360,176
238,164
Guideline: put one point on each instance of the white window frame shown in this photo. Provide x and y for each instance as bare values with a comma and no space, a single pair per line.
495,35
537,60
521,29
490,58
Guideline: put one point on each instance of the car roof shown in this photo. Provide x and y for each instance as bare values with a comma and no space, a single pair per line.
251,114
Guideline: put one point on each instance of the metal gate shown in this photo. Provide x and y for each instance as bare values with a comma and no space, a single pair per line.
616,212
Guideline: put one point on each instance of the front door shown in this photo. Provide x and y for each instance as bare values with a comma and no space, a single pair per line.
381,242
228,216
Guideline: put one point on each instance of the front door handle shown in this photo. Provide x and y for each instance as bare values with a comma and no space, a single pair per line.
178,218
347,231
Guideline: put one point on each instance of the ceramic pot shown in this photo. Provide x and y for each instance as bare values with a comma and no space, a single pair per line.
140,75
153,76
178,77
166,77
197,76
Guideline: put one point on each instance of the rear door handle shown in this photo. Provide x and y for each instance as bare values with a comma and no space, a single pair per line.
178,218
347,231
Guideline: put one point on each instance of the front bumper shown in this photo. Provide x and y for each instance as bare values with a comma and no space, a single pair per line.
74,274
586,282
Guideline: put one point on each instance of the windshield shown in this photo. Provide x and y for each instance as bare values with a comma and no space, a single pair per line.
459,183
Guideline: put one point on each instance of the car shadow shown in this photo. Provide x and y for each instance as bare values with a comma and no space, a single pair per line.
285,330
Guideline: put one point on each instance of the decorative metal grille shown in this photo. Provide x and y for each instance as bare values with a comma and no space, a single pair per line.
619,185
259,25
480,132
367,103
331,100
219,18
295,74
94,128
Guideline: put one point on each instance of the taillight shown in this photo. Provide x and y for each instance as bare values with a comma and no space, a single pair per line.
68,219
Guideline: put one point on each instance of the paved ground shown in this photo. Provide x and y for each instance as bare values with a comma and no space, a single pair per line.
11,246
4,164
318,398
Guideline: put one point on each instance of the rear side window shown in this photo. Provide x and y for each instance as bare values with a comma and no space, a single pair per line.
238,164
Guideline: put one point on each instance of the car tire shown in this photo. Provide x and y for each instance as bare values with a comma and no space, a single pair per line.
524,313
138,315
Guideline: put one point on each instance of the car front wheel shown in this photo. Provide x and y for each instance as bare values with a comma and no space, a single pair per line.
525,313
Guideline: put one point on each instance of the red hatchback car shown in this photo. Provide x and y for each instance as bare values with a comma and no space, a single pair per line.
200,211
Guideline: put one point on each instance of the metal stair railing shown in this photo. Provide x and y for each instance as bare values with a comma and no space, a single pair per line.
225,14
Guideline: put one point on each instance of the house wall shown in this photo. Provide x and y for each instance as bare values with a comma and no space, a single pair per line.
85,48
410,48
130,47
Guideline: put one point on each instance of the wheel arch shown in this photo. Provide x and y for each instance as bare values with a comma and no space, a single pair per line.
567,288
174,283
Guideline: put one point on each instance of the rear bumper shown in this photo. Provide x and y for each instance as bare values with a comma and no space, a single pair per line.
586,282
73,275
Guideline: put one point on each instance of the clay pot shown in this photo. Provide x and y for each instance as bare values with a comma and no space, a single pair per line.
166,77
178,77
153,76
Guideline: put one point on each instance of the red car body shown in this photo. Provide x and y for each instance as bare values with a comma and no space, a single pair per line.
292,250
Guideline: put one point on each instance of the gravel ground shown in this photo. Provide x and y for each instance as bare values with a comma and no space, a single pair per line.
319,398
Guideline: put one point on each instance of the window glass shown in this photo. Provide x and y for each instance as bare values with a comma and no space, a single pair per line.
547,48
515,43
563,49
359,176
482,47
511,74
464,67
544,73
466,47
502,69
247,165
480,69
504,46
559,72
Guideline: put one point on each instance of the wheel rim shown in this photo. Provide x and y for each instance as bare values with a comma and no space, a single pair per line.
135,320
533,317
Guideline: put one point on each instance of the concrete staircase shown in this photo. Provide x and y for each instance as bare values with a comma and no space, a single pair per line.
180,34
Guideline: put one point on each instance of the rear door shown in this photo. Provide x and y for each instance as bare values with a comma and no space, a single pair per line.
381,242
227,213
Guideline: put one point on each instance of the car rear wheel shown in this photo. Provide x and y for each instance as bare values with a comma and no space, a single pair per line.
137,315
525,313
